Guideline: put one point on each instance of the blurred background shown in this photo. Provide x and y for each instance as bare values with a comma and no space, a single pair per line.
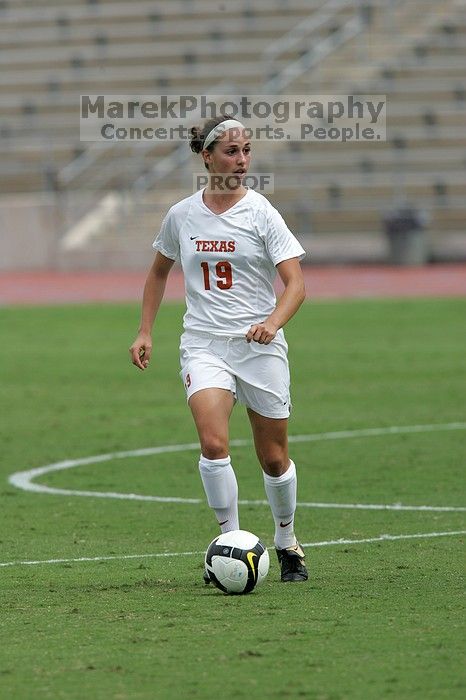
71,205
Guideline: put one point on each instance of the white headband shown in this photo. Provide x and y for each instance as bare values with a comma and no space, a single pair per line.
220,129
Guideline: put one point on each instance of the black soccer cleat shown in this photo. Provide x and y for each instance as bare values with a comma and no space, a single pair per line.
292,564
206,577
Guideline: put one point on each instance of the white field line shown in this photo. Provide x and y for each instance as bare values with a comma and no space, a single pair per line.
24,479
367,506
326,543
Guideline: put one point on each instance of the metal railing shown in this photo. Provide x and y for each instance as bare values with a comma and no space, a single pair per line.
321,48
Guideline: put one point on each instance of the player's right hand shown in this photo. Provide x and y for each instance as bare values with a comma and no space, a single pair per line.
141,350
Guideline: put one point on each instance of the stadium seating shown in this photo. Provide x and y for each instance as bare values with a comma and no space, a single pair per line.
119,47
115,47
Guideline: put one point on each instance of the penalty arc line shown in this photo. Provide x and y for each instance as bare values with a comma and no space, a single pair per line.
153,555
24,479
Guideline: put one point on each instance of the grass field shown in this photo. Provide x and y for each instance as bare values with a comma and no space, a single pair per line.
377,619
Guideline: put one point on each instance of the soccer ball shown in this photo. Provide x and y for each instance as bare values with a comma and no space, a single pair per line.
237,562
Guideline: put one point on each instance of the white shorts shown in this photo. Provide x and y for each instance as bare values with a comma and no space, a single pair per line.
257,375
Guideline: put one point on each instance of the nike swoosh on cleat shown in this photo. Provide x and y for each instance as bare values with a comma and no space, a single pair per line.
285,524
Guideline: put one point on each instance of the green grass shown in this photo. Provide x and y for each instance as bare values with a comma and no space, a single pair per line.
376,620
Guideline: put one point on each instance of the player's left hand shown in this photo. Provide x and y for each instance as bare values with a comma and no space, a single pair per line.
262,333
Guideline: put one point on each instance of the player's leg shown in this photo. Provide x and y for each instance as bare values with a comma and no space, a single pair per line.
211,409
271,443
210,391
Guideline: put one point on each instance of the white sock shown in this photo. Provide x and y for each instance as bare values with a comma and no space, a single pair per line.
281,494
221,489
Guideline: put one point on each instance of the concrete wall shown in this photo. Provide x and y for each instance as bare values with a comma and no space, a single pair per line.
29,228
32,224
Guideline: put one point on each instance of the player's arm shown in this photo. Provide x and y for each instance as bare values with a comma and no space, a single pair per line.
154,289
295,292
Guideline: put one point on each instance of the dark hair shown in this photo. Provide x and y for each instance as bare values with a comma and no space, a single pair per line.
199,133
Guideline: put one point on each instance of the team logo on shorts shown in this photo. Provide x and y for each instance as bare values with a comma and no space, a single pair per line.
187,382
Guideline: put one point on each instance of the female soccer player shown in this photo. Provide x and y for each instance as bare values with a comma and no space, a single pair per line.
230,241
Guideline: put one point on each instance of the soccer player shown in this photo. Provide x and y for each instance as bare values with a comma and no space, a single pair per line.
230,242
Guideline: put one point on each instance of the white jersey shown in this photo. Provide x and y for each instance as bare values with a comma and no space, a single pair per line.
228,260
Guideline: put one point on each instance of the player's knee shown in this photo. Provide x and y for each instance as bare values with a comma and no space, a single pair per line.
275,463
214,447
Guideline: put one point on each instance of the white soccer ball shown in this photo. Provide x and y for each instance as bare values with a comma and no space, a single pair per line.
237,562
